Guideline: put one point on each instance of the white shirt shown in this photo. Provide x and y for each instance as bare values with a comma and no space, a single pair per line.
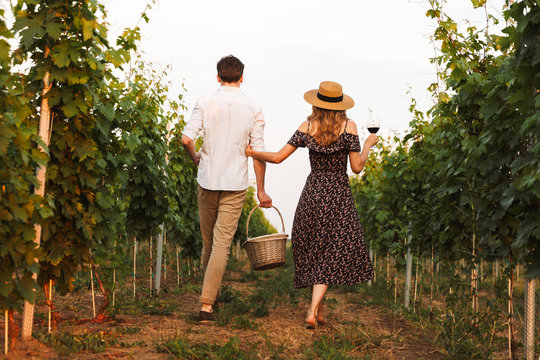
229,120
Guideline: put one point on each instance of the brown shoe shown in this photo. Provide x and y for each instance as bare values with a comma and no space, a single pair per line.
206,317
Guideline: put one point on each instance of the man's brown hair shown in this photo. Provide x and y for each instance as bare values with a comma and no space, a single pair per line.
230,69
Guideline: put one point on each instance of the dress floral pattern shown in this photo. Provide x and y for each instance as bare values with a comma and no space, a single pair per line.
327,238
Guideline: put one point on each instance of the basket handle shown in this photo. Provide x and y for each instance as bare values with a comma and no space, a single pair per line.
251,212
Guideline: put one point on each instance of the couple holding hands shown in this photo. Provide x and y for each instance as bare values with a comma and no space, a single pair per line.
327,239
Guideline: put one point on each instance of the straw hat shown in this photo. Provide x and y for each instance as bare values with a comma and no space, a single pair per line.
329,96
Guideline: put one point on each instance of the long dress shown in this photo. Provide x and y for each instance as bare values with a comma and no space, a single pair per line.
327,238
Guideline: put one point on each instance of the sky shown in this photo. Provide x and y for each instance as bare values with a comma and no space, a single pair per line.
378,50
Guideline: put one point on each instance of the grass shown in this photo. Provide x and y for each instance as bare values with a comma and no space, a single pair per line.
351,342
181,348
67,343
146,306
128,330
271,288
244,304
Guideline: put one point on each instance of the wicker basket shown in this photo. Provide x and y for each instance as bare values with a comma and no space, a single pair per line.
267,251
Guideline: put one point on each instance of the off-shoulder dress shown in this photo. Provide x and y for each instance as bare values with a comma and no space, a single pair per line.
327,238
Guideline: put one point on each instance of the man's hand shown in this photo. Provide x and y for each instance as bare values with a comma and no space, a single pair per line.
197,158
265,201
189,145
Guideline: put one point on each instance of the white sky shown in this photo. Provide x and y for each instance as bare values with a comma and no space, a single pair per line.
376,49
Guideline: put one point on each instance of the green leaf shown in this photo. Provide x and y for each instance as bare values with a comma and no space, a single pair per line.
27,287
70,109
54,29
63,54
88,29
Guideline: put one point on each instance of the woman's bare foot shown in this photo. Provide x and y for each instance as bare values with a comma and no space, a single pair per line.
311,321
321,320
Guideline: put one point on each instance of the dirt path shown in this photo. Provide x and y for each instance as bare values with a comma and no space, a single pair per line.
137,331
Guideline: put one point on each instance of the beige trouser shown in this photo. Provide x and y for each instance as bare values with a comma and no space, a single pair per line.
219,212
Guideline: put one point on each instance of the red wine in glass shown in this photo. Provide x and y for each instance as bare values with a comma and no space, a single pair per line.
373,124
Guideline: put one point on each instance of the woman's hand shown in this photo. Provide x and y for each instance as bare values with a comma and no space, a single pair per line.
371,140
248,151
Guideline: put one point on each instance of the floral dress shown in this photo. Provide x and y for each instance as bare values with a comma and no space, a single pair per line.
327,239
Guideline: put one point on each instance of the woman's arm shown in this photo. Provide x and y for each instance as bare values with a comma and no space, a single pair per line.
271,157
275,157
356,159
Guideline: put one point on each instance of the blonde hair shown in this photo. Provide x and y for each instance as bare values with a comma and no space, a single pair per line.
326,125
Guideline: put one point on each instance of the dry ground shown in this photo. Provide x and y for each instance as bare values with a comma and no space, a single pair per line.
379,334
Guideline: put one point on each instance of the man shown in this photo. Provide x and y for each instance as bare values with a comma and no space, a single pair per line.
229,120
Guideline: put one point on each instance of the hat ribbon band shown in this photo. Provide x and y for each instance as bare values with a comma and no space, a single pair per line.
331,99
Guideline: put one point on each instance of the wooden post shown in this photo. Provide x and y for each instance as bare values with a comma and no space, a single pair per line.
114,285
387,268
529,318
416,282
481,270
375,269
510,310
165,256
134,266
93,293
408,273
395,287
474,277
371,258
114,277
44,133
6,334
431,285
177,266
50,302
150,262
159,256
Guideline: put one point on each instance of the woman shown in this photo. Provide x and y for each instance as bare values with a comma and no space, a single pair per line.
327,239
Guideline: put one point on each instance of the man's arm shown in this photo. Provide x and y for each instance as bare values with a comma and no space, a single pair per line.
189,146
265,200
256,141
191,131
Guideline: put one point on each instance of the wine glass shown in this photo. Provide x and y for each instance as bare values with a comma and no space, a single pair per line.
373,123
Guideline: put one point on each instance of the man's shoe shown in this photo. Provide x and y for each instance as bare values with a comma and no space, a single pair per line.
206,317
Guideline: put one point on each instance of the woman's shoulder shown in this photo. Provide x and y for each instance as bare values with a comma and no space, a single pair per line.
304,127
352,128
